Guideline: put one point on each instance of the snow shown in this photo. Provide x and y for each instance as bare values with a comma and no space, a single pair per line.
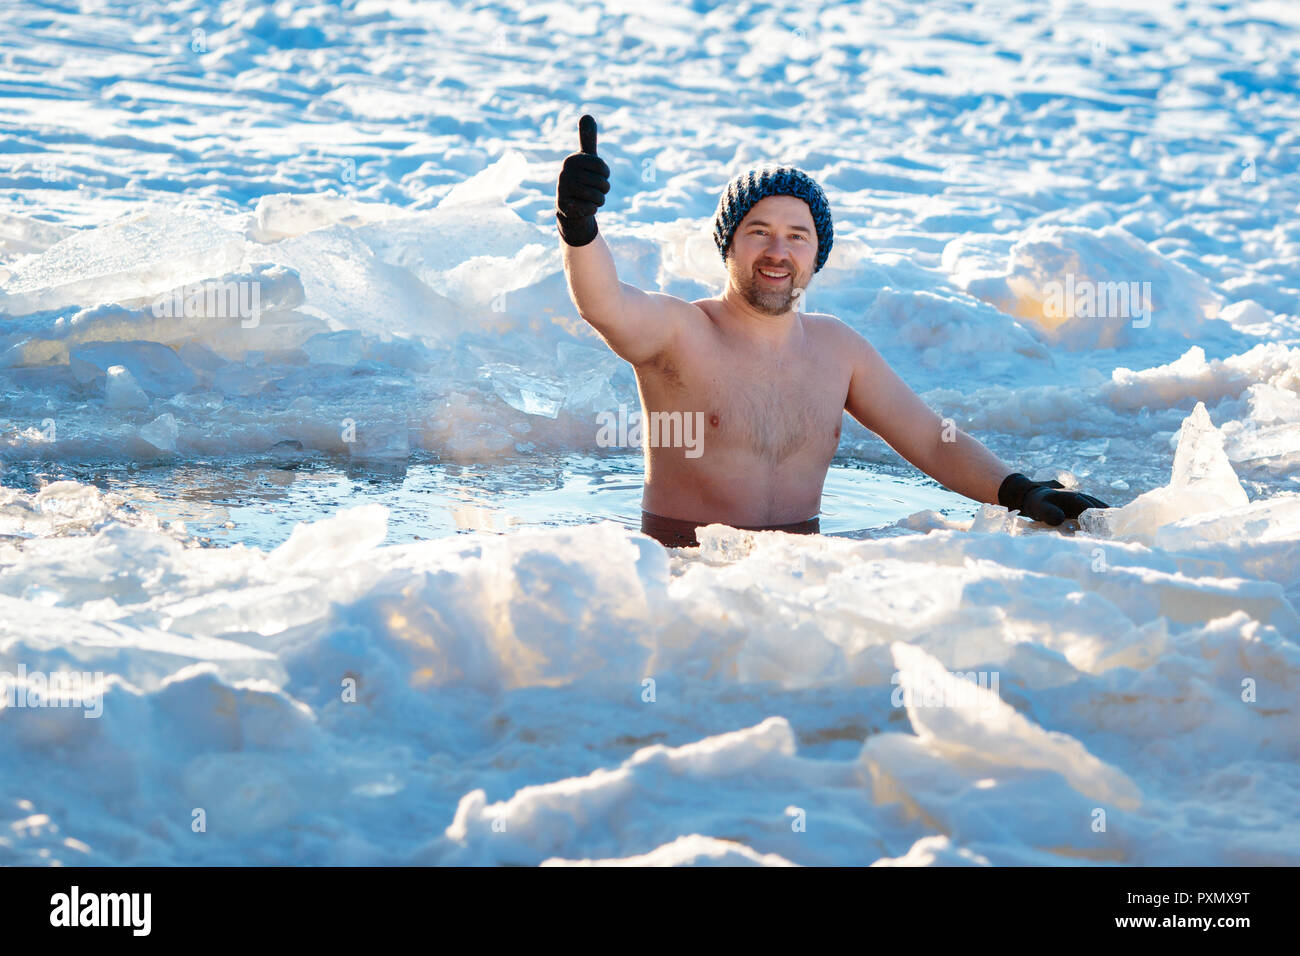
515,665
325,234
1070,262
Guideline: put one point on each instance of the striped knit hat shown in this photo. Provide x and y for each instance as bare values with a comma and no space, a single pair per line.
748,188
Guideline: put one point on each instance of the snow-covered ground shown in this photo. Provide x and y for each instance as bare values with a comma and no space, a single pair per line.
361,195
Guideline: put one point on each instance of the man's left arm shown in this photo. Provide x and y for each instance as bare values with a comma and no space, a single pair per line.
884,403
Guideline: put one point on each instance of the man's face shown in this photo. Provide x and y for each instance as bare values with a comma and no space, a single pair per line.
773,253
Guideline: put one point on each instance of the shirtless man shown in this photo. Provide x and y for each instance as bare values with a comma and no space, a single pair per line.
772,383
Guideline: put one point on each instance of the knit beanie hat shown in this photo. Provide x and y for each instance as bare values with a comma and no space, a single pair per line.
748,188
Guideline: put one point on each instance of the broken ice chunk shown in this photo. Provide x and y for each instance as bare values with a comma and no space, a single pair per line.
162,432
200,357
582,384
1273,519
134,257
344,281
379,439
587,373
122,391
1201,465
336,348
20,235
1273,447
1100,522
1095,448
287,453
530,394
1202,482
492,184
1268,436
155,368
284,215
971,725
994,519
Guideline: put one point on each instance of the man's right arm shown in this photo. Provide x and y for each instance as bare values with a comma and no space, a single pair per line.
636,325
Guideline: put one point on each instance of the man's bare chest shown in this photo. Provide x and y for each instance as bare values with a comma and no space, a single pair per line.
775,410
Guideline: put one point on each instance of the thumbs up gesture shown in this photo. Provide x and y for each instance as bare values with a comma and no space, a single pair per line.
580,191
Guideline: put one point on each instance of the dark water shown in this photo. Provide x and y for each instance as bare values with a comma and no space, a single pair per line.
258,502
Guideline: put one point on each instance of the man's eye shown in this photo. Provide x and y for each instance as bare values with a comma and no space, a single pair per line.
799,235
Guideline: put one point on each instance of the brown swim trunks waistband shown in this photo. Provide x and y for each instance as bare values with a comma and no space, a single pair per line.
676,533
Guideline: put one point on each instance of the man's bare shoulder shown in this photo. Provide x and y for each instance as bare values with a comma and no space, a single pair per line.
835,331
683,310
708,307
701,316
684,320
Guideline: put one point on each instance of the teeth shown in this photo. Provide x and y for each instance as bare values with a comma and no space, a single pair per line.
774,275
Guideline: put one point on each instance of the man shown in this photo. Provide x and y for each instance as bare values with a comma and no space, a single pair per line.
769,382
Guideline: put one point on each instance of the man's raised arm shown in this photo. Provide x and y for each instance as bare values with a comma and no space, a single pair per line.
637,325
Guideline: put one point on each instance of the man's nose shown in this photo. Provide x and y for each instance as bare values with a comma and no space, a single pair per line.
778,249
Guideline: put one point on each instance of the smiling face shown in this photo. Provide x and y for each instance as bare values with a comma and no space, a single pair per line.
773,253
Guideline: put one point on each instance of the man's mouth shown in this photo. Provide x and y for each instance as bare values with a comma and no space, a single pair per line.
774,275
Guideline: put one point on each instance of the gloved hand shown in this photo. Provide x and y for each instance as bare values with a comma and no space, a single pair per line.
580,191
1042,501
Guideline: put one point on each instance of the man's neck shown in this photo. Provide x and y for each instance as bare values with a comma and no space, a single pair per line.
772,331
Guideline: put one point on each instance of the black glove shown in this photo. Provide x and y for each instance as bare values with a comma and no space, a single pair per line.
1041,501
584,180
